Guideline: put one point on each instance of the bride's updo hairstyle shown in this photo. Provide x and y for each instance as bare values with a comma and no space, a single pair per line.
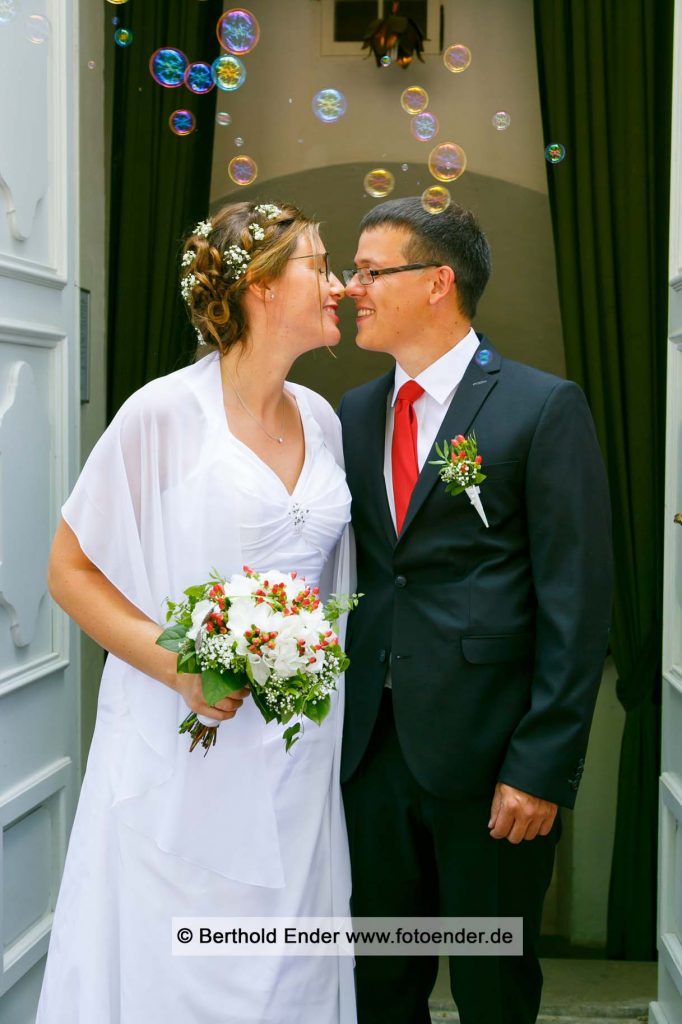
242,244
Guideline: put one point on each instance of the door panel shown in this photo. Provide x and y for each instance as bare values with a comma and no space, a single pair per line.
39,726
668,1007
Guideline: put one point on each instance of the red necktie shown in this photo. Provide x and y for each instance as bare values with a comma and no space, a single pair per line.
404,449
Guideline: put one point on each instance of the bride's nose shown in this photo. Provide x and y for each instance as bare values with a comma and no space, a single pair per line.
335,286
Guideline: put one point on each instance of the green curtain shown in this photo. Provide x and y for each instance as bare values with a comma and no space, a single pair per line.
160,187
605,75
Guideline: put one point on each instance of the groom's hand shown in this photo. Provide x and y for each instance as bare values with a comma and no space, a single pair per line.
516,815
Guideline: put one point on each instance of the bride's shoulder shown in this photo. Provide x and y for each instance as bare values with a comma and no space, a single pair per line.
317,405
162,397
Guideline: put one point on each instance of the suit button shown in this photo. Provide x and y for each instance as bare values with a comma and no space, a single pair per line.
382,656
400,581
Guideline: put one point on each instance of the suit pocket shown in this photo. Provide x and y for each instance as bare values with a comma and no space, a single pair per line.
489,650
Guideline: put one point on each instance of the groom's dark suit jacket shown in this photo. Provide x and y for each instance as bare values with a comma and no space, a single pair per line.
496,637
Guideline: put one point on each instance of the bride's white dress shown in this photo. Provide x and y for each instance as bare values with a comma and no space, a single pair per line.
247,830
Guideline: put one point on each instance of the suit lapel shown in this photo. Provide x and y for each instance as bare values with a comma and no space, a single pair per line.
476,385
373,440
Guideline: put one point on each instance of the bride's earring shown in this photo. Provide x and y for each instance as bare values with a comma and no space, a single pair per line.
271,295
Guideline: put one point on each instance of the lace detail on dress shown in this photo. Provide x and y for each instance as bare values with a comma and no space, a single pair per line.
299,516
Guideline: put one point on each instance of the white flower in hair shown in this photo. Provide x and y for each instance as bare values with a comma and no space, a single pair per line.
236,260
202,340
189,257
204,227
257,231
269,211
186,286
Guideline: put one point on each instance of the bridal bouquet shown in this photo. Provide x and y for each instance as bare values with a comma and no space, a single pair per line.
268,631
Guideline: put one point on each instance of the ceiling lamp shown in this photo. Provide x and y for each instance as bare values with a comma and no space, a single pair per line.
394,40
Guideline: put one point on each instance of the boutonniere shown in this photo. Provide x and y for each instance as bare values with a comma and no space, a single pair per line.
460,469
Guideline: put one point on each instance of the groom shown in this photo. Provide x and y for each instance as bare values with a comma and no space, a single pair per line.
477,651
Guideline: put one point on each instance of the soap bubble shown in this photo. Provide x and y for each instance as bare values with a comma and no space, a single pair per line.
167,66
238,31
242,170
501,120
117,1
414,100
229,72
91,65
239,142
403,167
385,61
436,199
554,153
181,122
379,182
37,28
329,105
115,21
123,37
447,161
457,58
199,78
8,10
424,126
222,118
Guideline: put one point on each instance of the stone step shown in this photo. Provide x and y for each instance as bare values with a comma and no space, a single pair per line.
584,1013
452,1017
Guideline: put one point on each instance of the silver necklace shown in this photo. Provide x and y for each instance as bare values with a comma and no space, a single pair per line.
273,437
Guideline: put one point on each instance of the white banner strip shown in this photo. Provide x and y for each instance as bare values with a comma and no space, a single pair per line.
343,936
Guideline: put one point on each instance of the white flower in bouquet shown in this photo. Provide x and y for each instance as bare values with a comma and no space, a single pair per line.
201,610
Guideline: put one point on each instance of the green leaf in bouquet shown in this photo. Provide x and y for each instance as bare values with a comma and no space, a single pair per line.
196,592
216,685
319,711
188,663
290,736
265,710
480,477
172,637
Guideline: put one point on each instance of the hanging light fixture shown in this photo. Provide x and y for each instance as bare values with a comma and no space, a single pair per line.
394,39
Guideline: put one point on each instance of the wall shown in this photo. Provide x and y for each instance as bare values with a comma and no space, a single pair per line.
272,111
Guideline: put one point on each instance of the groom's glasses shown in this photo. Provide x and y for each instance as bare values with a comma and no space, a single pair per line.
317,256
366,276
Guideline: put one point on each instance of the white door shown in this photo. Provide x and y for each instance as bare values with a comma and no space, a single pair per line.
668,1007
39,698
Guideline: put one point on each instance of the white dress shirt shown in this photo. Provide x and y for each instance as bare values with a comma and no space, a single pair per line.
440,381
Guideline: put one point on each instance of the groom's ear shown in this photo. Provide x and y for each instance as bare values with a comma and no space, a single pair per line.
442,284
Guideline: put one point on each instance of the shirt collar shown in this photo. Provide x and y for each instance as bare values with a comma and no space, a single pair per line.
441,378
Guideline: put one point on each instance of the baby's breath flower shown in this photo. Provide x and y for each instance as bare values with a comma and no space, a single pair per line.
236,260
257,231
269,210
189,257
204,227
202,340
186,286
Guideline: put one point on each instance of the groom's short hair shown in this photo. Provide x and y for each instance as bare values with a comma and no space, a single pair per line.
452,238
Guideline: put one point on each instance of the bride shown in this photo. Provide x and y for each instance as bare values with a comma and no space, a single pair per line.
220,464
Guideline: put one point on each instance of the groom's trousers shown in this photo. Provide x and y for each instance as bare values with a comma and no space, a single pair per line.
417,855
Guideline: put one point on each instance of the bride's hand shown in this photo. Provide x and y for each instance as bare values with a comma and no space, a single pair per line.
190,689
